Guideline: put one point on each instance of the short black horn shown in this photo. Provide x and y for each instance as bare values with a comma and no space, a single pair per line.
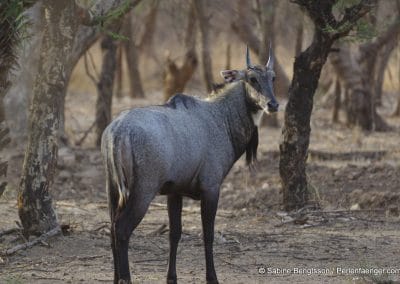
248,62
270,63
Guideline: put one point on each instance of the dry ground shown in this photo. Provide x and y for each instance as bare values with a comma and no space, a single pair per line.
346,169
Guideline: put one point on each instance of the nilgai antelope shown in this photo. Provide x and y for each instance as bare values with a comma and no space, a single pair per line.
185,147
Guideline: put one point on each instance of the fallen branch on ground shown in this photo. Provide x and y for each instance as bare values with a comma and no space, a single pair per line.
159,231
34,242
9,231
220,213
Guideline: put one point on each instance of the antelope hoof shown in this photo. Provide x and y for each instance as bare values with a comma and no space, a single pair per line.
172,281
212,281
122,281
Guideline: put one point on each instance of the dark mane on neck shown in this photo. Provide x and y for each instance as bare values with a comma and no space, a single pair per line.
217,88
223,92
251,148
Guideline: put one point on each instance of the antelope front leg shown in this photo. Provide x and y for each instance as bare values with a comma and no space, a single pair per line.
209,204
175,231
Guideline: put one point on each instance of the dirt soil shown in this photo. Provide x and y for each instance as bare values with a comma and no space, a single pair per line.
347,170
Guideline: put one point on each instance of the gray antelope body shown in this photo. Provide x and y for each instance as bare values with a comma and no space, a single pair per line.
183,148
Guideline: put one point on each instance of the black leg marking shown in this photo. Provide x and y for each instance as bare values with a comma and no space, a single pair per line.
209,204
175,231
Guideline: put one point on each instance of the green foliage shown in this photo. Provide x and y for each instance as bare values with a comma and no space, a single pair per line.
342,5
105,20
115,36
114,14
362,30
13,24
12,11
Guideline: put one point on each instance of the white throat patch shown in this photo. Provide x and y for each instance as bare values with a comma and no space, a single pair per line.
257,117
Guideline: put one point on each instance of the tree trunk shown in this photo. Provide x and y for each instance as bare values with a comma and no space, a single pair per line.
356,78
132,60
175,77
4,141
383,62
118,72
363,99
105,87
34,202
296,130
306,73
299,35
150,23
62,45
367,117
228,57
336,102
397,110
204,24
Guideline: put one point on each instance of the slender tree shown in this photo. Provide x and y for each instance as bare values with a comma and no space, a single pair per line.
363,80
299,34
382,65
150,23
337,101
64,41
34,201
204,25
118,72
133,46
105,86
367,116
175,76
132,58
306,73
397,109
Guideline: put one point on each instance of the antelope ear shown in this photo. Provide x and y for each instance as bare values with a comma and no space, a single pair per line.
232,75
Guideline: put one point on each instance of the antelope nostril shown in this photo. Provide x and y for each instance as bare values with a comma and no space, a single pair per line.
272,106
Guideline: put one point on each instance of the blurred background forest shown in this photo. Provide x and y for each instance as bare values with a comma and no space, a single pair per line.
68,72
159,38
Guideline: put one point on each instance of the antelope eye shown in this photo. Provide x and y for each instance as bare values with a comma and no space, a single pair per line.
253,80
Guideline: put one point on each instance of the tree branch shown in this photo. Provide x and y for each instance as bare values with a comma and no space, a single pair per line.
352,15
321,14
355,12
38,240
104,10
150,22
384,38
